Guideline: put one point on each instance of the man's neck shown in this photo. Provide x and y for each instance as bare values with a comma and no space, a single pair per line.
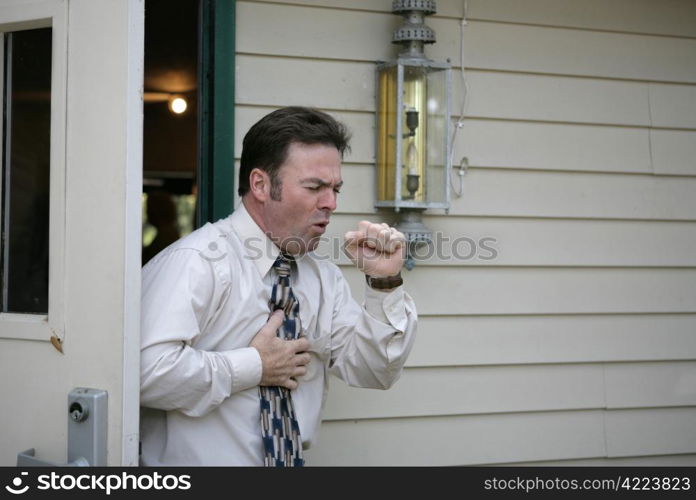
252,209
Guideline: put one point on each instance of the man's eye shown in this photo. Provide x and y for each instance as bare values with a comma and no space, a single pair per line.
337,191
313,188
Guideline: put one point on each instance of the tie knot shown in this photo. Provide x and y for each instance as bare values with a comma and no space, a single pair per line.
282,265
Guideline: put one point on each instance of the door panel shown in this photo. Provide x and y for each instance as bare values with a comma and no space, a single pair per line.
94,234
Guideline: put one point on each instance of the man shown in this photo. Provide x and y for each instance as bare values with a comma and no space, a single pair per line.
210,350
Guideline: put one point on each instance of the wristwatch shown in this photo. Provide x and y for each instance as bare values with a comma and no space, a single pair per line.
384,283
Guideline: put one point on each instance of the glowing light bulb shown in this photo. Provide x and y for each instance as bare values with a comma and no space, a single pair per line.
177,105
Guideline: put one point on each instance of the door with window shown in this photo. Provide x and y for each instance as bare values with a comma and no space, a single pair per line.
70,206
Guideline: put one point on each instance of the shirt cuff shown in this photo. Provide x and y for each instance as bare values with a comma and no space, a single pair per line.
246,367
387,307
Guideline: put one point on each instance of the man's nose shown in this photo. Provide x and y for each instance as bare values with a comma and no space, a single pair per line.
328,200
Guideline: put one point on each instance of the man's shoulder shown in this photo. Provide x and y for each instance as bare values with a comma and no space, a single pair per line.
207,237
323,266
209,243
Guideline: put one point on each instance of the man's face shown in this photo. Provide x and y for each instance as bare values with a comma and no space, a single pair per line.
310,181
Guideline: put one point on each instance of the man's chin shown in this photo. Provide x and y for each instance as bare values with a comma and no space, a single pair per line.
299,247
312,244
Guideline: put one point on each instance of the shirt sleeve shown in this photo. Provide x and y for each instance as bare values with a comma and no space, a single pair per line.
370,343
181,292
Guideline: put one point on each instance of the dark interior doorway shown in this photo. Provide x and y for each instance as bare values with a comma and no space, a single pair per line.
170,149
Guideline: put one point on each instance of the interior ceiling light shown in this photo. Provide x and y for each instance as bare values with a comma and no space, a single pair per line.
177,104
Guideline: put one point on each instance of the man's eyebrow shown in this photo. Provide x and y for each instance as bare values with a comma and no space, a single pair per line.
320,182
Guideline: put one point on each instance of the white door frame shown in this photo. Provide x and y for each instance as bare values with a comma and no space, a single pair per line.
95,234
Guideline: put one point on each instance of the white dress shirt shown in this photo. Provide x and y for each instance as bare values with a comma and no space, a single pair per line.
204,299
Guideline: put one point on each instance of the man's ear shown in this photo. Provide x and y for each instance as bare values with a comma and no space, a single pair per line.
260,185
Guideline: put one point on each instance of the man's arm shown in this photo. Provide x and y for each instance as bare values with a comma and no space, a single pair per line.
180,293
370,344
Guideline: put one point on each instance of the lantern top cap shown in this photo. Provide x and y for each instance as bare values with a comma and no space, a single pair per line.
413,32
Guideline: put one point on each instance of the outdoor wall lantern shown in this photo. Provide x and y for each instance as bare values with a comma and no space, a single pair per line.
413,127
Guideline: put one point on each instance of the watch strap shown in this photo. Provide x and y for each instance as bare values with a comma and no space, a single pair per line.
385,283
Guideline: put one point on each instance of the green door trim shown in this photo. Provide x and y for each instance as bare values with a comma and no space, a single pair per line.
216,118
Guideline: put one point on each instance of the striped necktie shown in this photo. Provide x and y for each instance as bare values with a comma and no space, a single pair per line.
279,428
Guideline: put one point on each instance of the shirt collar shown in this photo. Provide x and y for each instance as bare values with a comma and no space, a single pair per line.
260,248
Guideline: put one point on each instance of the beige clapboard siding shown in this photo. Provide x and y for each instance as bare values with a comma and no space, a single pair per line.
494,290
576,52
676,17
446,8
553,98
557,98
579,148
526,193
502,438
673,151
651,431
461,241
505,389
365,36
283,81
472,390
673,105
505,340
461,440
634,385
550,146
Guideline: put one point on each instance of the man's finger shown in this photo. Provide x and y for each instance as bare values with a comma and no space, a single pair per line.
353,237
303,359
373,231
275,320
383,238
300,345
396,241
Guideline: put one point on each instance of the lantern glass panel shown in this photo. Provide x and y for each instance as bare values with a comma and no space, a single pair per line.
386,137
414,128
437,127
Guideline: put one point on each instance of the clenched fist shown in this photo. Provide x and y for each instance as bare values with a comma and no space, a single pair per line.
378,250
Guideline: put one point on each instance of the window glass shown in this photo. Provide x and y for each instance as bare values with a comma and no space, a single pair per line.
26,170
